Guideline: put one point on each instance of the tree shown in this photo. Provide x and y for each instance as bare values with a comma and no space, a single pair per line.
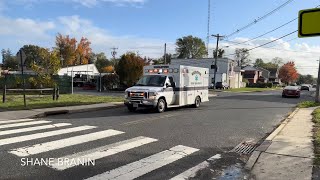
83,51
66,47
48,65
242,57
130,68
110,81
190,47
101,61
108,69
9,60
220,53
161,60
259,63
277,61
305,79
33,54
288,73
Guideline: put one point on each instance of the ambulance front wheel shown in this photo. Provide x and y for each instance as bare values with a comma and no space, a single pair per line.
197,102
161,106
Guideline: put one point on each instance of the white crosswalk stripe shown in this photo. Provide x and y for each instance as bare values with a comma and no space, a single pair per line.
146,165
58,144
43,135
50,126
190,173
101,152
14,121
23,124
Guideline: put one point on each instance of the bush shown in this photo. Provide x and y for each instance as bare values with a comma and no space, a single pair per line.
260,85
307,104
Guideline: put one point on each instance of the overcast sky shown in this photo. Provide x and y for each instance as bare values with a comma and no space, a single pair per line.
145,25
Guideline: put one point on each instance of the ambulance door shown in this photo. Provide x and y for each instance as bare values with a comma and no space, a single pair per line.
169,91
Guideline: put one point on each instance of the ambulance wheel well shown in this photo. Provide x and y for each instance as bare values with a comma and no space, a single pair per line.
162,97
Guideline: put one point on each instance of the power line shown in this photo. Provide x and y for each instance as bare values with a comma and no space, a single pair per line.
268,42
259,19
268,32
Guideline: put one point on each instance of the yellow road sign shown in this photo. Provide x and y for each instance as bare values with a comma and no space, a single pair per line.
309,23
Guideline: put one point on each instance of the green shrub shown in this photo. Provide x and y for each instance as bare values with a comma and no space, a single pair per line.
307,104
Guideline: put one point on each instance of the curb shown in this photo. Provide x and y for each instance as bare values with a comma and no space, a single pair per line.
267,142
65,111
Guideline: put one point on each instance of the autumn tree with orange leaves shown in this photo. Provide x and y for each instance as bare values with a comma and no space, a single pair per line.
288,73
72,53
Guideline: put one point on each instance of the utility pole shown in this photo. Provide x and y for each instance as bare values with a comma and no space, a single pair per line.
318,85
113,54
208,26
165,53
216,59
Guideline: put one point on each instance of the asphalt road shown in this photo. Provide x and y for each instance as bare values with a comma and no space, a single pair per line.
214,129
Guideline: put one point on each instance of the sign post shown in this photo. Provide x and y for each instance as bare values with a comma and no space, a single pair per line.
309,27
21,56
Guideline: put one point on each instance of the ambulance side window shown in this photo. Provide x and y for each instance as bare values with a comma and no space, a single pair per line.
171,81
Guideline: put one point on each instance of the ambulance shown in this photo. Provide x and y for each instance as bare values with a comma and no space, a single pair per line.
167,86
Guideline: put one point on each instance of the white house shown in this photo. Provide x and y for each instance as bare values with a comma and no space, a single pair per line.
87,69
226,71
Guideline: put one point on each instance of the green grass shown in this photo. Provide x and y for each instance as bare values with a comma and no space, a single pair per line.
250,89
15,102
316,135
307,104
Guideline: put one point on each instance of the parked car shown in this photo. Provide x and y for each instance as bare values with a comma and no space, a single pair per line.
305,87
291,91
221,85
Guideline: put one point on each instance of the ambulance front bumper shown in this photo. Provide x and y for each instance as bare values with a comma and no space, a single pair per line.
141,103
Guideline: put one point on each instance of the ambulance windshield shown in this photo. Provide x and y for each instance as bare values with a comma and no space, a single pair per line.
152,80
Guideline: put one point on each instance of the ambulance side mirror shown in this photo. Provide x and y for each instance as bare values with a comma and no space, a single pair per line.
168,85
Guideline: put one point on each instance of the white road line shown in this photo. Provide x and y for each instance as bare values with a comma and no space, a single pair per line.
14,121
101,152
43,135
23,124
58,144
190,173
15,131
146,165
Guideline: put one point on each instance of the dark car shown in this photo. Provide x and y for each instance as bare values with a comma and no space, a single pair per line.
221,85
305,87
291,91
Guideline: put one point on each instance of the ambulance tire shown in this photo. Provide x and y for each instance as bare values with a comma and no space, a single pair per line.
131,108
161,106
197,102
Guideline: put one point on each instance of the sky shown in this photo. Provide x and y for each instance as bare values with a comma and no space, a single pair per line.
144,26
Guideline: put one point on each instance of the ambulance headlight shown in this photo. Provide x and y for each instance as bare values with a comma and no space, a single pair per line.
153,95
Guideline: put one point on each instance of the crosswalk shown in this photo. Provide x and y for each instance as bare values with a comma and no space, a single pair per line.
126,172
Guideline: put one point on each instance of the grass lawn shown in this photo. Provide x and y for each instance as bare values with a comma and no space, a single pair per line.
307,104
250,89
15,102
316,120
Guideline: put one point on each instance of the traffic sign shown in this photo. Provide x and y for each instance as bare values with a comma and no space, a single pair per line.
309,23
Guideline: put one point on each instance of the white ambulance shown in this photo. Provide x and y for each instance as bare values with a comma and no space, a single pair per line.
166,86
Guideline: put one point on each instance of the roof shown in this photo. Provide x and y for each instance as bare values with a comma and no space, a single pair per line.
262,69
238,69
250,68
89,69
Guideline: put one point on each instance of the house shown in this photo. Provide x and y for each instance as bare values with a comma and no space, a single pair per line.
252,74
225,69
264,74
274,75
87,69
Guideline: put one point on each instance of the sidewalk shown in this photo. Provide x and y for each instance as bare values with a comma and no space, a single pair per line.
288,152
5,115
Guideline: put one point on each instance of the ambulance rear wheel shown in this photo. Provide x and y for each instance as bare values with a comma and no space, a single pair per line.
161,106
197,102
